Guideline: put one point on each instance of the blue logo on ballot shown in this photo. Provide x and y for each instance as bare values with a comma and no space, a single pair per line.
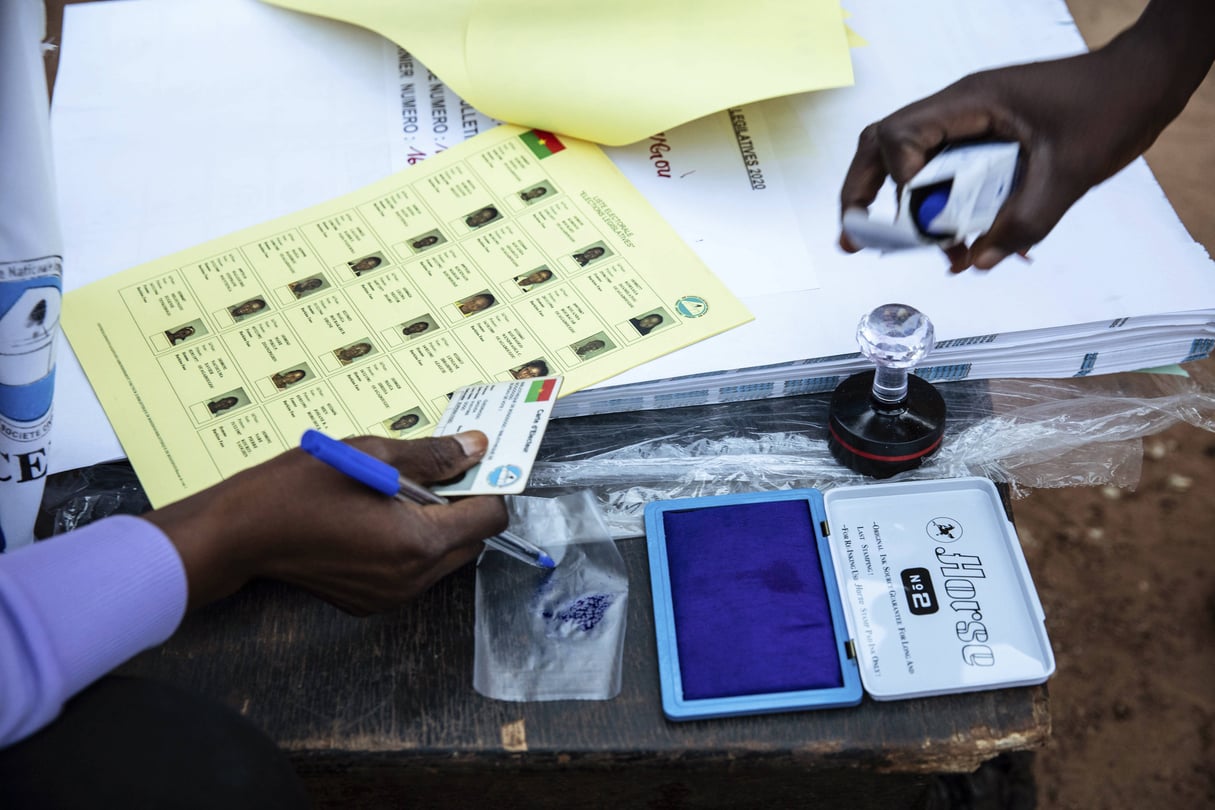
691,306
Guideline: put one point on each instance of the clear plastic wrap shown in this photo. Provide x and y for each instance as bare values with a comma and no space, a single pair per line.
1024,433
78,497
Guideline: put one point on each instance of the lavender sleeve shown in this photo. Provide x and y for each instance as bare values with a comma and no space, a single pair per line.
74,607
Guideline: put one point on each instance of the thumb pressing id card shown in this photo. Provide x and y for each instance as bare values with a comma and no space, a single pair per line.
514,415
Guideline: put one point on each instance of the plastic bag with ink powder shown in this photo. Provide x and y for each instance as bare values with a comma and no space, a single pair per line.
555,634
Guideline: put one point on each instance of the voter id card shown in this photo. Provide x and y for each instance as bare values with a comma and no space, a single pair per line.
514,415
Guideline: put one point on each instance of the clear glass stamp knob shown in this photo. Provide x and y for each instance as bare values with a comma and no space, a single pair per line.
885,421
895,337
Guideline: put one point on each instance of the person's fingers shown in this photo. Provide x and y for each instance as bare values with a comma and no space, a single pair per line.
456,558
461,528
909,137
959,257
454,535
865,177
866,173
445,536
403,558
428,460
1042,196
467,520
980,106
907,145
901,144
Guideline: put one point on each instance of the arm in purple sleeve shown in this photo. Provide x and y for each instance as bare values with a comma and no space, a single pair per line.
74,607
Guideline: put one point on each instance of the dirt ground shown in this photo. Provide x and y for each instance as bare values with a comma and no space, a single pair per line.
1127,578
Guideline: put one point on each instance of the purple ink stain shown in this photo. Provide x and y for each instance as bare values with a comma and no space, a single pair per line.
585,613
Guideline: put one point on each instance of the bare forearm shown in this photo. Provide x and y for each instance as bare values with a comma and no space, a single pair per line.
1183,33
1168,51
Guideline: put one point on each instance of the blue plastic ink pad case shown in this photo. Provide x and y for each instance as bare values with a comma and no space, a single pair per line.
782,601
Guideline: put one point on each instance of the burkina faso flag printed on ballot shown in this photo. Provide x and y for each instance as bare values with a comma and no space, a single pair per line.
541,390
543,144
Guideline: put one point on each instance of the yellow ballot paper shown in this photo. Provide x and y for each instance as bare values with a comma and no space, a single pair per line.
515,255
616,72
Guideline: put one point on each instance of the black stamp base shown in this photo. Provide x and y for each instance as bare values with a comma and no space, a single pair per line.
880,440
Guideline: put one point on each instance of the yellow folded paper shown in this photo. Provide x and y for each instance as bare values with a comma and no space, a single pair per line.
617,72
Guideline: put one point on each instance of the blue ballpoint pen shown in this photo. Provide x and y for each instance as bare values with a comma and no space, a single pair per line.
384,478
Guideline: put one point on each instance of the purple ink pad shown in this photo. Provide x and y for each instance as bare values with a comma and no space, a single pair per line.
747,607
750,600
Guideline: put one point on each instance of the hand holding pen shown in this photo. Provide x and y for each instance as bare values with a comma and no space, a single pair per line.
296,521
386,479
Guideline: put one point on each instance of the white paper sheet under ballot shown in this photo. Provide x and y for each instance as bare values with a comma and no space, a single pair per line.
514,415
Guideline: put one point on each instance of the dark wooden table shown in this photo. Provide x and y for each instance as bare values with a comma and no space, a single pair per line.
381,711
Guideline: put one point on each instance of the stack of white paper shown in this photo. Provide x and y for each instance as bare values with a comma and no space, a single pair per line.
256,112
